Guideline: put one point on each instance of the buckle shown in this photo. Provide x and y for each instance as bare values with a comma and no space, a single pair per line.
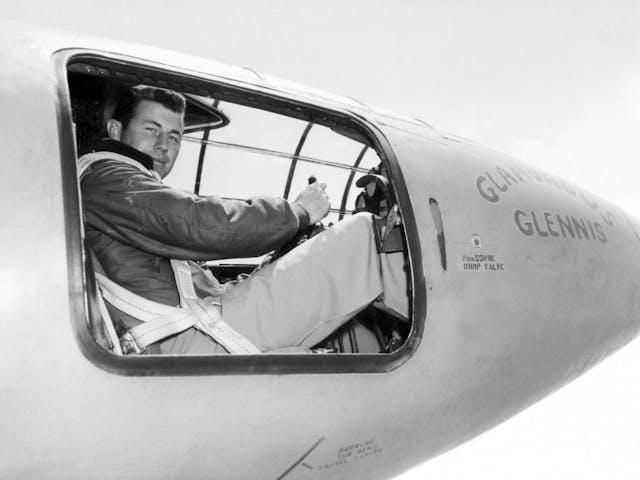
129,345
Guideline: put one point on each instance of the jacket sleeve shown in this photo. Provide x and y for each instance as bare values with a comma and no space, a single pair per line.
131,207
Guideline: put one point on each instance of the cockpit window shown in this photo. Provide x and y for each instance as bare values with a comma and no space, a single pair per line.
265,152
239,142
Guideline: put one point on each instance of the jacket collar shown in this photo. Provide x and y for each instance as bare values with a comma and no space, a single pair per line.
115,146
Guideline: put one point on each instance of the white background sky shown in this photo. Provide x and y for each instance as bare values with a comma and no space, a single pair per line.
554,83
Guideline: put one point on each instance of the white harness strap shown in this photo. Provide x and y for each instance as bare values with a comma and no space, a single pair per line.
161,321
114,341
208,313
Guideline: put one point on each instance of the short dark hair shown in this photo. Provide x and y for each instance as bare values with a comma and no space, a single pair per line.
130,97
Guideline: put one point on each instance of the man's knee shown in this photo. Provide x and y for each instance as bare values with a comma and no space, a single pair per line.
360,221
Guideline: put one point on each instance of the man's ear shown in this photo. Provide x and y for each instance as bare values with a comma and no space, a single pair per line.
114,129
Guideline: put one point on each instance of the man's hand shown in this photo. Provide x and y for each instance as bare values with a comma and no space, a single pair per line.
315,201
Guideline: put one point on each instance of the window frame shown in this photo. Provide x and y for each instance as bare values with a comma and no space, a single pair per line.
81,285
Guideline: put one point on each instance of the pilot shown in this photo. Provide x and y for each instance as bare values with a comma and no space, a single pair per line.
145,236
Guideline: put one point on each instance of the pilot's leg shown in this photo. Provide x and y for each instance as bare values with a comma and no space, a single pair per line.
307,294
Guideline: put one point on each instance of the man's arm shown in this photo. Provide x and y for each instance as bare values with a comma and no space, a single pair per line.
136,209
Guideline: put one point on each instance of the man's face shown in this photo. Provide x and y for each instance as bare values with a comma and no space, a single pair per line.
156,131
